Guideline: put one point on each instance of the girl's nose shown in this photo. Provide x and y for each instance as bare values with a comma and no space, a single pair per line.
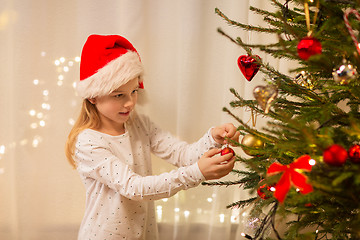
130,101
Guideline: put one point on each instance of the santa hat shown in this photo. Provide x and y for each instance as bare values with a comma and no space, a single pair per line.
107,62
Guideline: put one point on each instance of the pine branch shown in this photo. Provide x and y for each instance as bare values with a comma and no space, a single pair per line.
262,12
249,129
245,173
224,183
224,34
244,26
242,203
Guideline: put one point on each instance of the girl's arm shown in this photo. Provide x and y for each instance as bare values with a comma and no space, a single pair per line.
180,153
96,161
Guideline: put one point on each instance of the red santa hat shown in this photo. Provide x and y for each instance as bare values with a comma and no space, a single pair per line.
107,62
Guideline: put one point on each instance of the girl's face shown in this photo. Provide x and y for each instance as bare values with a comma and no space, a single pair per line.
114,109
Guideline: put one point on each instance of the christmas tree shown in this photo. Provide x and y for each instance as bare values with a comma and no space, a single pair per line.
304,165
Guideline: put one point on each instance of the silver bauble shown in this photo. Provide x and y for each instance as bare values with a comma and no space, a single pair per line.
344,73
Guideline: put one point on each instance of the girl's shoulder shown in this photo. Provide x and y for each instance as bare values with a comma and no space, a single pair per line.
90,139
90,134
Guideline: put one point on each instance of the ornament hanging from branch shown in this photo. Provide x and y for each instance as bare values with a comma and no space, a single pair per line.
354,153
264,194
309,45
335,155
251,141
248,66
265,95
303,79
344,73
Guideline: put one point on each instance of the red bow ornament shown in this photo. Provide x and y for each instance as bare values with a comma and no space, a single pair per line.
291,176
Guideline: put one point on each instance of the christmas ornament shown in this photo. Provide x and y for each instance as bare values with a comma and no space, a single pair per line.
308,46
349,28
344,73
303,79
292,175
227,150
335,155
265,95
354,153
252,225
263,194
248,66
251,141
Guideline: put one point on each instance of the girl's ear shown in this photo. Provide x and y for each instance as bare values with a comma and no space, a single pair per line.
92,100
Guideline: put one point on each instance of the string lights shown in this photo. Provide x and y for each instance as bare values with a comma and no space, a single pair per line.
39,115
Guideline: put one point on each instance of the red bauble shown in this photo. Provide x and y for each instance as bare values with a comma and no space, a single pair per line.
263,194
227,150
308,46
354,153
248,66
335,155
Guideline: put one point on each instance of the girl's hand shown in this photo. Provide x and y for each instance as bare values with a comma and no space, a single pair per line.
215,167
227,130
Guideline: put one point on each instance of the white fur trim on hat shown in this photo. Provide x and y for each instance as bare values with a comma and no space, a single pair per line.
112,76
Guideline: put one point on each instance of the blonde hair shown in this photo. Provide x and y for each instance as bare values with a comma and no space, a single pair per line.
88,118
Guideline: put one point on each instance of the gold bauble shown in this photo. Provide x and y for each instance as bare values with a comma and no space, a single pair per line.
250,140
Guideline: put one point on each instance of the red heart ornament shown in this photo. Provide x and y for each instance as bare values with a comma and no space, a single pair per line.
248,66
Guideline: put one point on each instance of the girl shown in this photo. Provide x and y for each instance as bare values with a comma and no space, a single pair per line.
110,145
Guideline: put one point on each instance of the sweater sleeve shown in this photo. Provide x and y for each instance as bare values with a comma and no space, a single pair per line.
177,152
96,161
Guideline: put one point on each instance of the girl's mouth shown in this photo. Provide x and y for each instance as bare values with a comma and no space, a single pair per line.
125,113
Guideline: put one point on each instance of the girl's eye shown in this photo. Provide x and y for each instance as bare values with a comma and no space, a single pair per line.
118,95
136,90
